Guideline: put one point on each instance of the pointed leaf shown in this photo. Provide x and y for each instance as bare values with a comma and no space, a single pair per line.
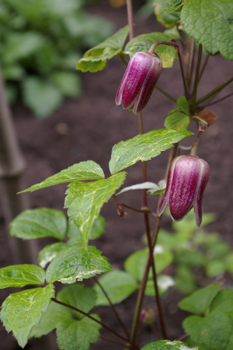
49,252
117,284
87,170
143,42
143,147
166,18
75,263
199,302
21,311
167,345
84,201
21,275
77,335
182,105
145,185
211,24
95,59
39,223
77,295
174,5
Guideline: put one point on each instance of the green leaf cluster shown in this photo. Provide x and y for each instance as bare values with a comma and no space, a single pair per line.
209,21
178,118
40,43
167,345
211,327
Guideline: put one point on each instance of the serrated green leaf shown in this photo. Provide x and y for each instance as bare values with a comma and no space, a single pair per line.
143,147
177,121
41,96
163,16
118,286
21,275
136,262
77,295
87,170
49,252
167,345
95,59
39,223
211,24
77,335
50,319
21,311
164,282
84,201
75,263
199,302
143,42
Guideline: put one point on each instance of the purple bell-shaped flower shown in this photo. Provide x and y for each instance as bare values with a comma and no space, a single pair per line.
187,179
139,80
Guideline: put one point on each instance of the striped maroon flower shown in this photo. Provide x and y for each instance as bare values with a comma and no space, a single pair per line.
139,80
187,180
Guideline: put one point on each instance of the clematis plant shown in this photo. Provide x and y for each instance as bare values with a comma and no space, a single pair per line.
70,259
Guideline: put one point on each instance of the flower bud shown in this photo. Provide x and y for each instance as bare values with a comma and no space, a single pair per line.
187,179
139,80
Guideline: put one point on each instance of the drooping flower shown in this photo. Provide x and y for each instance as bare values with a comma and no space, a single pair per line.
139,80
187,180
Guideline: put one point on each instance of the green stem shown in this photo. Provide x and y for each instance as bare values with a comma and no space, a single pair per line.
202,129
162,42
89,316
113,308
219,100
214,91
165,93
182,74
196,78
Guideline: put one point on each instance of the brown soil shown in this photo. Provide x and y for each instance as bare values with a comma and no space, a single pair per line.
86,129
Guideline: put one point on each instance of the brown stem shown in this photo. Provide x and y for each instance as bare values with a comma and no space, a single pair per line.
204,66
182,74
113,308
119,209
89,316
130,19
194,95
143,211
216,101
112,341
190,63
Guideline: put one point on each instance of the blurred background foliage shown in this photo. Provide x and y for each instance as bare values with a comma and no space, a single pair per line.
40,43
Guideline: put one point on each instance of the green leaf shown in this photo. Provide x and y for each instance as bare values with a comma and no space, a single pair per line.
54,314
143,42
167,345
41,96
211,24
87,170
84,201
49,252
39,223
117,284
78,296
21,275
75,263
21,311
185,281
136,262
213,331
68,83
174,5
223,302
164,282
182,105
177,121
163,16
143,147
199,302
77,335
95,59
